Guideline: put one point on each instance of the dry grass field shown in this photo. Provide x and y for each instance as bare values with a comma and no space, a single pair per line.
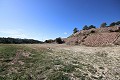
58,62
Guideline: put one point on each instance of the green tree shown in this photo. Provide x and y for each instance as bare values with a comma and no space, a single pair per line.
59,40
85,27
75,30
103,25
18,41
118,23
91,26
49,41
112,24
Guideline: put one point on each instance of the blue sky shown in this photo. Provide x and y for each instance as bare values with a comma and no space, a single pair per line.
48,19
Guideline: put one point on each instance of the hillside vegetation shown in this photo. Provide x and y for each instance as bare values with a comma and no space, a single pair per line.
105,36
58,62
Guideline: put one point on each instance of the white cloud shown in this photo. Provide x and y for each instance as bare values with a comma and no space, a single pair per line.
65,33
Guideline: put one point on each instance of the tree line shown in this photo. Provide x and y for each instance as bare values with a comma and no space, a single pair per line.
103,25
18,41
57,40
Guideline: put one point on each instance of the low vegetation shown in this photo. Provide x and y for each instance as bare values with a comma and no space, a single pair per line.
88,27
75,30
57,62
59,40
18,41
103,25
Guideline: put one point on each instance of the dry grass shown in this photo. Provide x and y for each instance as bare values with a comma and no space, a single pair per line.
59,62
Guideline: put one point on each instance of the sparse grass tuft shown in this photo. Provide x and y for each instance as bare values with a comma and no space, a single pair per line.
68,68
102,54
91,69
57,62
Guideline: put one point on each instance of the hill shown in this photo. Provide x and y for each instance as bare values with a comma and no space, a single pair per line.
106,36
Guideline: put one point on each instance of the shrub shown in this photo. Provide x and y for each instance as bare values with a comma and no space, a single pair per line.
112,24
118,23
91,26
85,27
75,30
59,40
92,31
49,41
103,25
88,27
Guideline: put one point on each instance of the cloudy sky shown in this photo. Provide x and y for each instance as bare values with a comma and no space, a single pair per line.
48,19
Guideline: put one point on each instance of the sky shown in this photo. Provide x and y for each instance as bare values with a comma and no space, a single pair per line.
49,19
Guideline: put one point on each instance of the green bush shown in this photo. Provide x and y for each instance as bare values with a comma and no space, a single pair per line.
85,27
103,25
59,40
75,30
